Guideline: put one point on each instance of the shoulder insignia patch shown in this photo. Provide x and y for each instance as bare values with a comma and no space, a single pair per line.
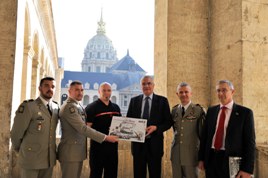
72,110
198,105
175,106
30,100
21,109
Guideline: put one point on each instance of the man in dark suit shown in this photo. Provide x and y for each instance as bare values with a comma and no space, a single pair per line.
228,132
156,110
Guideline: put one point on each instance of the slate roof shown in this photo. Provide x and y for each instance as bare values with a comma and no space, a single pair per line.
127,63
122,80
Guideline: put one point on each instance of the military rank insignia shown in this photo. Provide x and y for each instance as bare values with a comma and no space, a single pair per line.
72,110
21,109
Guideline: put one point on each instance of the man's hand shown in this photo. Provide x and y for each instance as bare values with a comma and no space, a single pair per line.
150,129
201,165
242,174
111,138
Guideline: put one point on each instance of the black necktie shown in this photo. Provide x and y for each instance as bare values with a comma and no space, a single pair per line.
146,109
49,110
183,111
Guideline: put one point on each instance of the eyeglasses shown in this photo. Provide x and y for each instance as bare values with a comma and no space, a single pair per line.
147,83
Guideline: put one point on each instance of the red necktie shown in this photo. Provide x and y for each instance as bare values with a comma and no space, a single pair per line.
220,130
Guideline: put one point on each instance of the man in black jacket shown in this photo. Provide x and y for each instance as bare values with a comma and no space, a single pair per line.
228,132
155,109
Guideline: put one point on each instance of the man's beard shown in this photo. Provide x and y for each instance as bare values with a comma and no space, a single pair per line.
47,95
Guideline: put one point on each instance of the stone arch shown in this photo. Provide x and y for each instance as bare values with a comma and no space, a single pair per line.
95,98
86,100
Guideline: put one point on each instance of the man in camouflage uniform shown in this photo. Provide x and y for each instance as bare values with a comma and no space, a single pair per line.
33,132
188,120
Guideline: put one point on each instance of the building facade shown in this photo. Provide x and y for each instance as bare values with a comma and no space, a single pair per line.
99,54
100,64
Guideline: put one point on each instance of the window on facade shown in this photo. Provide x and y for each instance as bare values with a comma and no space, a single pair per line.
98,55
125,103
95,98
113,99
89,69
96,86
87,85
98,69
63,97
107,55
86,100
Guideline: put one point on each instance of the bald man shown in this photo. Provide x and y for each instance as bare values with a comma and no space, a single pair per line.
103,156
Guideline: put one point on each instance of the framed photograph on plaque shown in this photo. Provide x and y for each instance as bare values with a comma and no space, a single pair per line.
129,129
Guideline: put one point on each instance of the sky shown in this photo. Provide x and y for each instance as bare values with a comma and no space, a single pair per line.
129,24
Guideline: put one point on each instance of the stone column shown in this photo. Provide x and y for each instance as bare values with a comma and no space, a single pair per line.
35,78
226,45
181,54
254,58
181,48
58,77
26,74
239,52
8,21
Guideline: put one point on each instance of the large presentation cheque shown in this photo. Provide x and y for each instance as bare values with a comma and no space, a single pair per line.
130,129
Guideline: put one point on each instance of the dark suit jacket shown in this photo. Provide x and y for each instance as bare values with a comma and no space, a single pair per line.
240,136
159,116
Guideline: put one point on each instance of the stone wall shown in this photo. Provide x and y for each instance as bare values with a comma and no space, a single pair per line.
225,45
8,21
238,52
201,42
261,163
255,63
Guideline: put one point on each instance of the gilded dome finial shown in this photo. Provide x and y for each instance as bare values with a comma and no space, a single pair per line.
101,25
